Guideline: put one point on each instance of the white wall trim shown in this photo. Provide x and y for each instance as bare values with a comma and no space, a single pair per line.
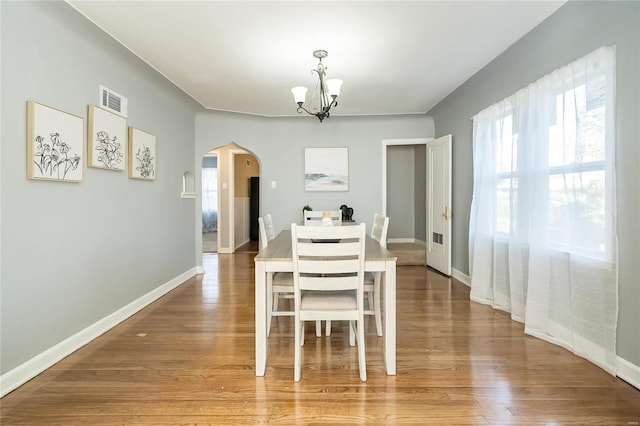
460,276
385,144
36,365
401,240
629,372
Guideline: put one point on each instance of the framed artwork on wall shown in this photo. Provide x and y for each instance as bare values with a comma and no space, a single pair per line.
142,154
107,139
55,144
326,169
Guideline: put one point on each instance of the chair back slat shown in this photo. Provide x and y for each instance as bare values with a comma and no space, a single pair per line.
314,217
320,248
328,283
328,232
338,266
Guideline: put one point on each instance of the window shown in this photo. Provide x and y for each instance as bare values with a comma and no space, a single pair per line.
542,231
560,170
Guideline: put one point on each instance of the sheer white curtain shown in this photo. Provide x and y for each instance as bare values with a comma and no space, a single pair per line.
542,235
209,199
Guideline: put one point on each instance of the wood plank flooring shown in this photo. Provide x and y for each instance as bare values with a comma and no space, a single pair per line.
188,359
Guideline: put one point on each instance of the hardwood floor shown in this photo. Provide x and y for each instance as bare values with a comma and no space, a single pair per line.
210,242
189,359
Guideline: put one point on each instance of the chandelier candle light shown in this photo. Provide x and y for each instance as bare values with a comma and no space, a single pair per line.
329,90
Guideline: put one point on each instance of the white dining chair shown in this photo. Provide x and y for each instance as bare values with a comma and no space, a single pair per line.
314,217
328,277
372,280
279,284
267,232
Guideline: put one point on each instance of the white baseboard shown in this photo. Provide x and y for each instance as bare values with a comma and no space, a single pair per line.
242,243
401,240
36,365
629,372
460,276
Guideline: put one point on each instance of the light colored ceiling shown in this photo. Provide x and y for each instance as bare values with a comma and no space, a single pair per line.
395,57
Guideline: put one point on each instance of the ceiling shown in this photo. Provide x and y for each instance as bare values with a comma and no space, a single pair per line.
395,57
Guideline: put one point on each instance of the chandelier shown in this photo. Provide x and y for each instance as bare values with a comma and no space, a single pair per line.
329,90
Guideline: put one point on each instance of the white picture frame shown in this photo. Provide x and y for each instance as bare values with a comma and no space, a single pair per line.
326,169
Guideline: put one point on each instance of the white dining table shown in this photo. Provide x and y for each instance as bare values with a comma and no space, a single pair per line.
277,257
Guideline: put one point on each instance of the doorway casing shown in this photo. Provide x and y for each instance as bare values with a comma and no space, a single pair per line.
428,142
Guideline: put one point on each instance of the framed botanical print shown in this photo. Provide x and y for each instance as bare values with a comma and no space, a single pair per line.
142,154
107,139
55,144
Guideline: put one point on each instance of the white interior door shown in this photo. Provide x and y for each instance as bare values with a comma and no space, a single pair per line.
439,212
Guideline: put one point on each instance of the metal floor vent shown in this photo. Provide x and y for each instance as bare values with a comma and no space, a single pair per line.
113,101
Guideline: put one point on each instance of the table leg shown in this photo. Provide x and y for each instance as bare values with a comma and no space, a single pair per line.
261,316
390,317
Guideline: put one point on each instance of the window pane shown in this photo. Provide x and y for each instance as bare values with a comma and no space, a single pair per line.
507,148
577,210
578,133
209,189
506,205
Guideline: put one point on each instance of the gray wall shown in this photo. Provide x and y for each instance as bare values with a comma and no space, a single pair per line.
279,144
574,30
401,187
407,191
75,253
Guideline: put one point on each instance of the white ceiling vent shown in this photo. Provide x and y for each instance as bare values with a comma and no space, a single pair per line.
113,101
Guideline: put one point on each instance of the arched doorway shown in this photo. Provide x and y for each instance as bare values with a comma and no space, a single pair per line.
234,169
